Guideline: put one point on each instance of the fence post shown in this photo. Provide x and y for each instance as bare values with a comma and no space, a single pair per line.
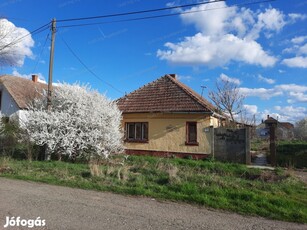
273,144
212,140
247,146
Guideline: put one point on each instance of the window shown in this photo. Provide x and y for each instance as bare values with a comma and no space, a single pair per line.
137,131
191,133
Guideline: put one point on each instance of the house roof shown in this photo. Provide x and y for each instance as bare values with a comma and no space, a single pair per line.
22,90
271,120
287,125
165,94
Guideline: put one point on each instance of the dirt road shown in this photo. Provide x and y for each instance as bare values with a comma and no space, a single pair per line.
67,208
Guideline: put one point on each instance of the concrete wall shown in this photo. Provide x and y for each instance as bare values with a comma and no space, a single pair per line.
232,145
167,132
8,105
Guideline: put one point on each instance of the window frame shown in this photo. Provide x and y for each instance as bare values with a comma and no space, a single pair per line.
139,132
188,134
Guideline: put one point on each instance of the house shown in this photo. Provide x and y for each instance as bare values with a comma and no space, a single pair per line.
284,130
17,92
165,117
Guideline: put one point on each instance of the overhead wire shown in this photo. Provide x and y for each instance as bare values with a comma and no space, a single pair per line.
36,31
140,12
46,26
88,69
39,56
159,16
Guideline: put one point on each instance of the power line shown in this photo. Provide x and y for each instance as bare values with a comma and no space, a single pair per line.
88,69
39,56
36,31
139,12
164,15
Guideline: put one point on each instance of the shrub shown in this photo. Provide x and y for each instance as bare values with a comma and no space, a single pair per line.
81,122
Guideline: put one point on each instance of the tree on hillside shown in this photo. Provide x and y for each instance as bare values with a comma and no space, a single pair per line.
227,98
81,122
300,129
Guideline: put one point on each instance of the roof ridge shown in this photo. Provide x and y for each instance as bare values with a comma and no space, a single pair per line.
164,94
141,87
190,92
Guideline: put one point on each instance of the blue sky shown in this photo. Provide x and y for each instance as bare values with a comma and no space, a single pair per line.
262,47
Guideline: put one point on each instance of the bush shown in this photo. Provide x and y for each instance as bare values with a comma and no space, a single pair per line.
13,144
293,154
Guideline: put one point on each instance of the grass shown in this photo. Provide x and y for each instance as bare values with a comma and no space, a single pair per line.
233,187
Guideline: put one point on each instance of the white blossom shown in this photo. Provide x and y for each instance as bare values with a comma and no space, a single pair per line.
81,121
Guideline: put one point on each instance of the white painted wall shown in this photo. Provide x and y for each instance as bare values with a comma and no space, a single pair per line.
20,117
8,105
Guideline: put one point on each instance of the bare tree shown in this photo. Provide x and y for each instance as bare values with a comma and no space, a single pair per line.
227,98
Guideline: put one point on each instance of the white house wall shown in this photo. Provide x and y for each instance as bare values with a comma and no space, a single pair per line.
8,105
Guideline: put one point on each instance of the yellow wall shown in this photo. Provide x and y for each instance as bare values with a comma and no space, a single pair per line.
167,132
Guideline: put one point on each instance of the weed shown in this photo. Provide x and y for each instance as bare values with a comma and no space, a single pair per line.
274,194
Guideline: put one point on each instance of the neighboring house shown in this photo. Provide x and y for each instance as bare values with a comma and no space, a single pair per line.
165,117
284,130
17,92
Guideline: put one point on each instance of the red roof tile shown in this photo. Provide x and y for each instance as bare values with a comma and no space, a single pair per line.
287,125
166,94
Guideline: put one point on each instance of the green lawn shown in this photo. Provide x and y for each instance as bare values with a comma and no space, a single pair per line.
272,194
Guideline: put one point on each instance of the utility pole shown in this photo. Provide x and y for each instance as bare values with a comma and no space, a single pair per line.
49,95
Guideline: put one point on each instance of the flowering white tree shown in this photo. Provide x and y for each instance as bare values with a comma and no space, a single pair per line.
81,122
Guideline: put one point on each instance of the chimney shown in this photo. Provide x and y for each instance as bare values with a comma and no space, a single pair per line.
35,78
268,116
173,75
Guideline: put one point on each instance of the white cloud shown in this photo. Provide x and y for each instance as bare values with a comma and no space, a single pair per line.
298,40
292,87
251,109
299,48
290,113
295,17
294,93
225,35
224,77
303,49
205,50
299,61
298,97
261,92
15,53
272,20
266,80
